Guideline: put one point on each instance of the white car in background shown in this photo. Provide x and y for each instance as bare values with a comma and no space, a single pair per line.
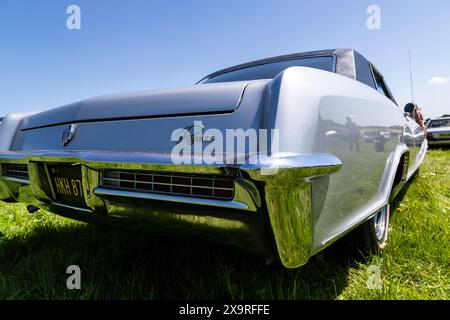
438,131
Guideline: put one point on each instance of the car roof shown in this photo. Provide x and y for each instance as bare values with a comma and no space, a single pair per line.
349,63
272,59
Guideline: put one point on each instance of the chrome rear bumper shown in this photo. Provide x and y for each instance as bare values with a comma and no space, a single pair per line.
269,214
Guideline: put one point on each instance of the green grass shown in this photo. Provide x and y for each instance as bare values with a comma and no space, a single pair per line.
36,249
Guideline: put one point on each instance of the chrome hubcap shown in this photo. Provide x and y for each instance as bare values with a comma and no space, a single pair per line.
379,221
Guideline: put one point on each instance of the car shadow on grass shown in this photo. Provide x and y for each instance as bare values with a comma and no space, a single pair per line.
123,265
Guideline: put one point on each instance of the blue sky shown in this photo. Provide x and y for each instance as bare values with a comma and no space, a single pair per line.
138,45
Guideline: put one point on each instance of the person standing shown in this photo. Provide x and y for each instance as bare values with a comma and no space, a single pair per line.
416,113
353,133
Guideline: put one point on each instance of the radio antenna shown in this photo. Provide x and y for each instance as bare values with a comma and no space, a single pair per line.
411,77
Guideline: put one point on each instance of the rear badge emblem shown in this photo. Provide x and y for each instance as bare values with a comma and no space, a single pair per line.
68,134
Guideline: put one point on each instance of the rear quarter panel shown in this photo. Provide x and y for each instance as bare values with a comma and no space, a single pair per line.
312,108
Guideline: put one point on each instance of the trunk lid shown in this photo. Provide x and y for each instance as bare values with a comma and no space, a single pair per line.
196,100
144,121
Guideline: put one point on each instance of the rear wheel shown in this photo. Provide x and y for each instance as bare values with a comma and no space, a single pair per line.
374,233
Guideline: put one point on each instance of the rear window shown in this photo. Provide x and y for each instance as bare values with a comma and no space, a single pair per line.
272,69
439,123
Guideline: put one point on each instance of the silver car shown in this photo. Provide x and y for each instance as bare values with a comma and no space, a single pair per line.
438,131
268,156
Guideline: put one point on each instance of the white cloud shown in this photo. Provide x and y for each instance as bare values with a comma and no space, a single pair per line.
438,81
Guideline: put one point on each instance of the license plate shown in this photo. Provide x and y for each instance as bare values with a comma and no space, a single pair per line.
67,184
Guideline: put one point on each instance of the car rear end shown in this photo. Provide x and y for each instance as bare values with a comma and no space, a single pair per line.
109,160
117,167
438,132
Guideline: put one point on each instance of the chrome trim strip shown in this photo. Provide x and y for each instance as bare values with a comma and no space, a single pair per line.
18,180
329,163
71,207
162,197
13,156
13,172
352,226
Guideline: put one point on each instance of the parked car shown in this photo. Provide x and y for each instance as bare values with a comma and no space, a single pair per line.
369,137
386,135
438,131
110,159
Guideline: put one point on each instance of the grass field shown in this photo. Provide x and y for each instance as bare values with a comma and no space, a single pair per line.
36,249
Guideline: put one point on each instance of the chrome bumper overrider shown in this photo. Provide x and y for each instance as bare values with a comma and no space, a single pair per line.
271,204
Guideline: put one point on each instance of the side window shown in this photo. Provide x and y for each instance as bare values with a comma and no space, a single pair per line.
381,85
